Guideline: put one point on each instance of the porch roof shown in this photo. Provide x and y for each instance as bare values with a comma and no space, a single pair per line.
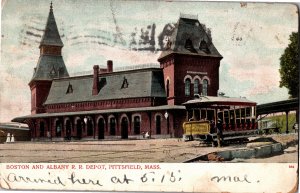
105,111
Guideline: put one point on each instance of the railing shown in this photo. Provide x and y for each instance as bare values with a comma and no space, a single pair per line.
82,73
119,69
188,16
135,67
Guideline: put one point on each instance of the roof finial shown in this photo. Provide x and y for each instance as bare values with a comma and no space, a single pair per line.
51,7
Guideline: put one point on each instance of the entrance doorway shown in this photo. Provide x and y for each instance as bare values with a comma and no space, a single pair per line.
79,128
124,128
101,129
68,129
158,124
42,129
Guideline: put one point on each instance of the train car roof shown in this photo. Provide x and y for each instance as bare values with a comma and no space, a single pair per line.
213,101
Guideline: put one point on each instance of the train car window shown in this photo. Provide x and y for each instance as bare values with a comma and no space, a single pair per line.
202,115
190,114
220,115
237,113
226,116
196,114
210,115
243,112
248,112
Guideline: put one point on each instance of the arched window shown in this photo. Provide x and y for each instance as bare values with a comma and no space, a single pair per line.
168,88
196,86
204,87
187,87
136,125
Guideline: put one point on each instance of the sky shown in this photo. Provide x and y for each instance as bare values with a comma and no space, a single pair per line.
251,37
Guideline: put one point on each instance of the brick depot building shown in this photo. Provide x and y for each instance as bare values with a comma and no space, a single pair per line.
123,104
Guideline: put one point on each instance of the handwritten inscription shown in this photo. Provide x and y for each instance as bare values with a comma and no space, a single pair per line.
12,177
75,180
101,176
230,179
147,177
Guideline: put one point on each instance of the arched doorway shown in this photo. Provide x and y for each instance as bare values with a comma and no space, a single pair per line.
112,126
101,128
68,129
58,128
124,128
42,129
158,124
90,127
137,125
79,128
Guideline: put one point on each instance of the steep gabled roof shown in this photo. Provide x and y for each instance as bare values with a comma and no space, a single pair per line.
49,67
51,35
141,83
189,37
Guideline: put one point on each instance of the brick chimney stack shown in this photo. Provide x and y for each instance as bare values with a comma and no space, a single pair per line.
96,80
109,66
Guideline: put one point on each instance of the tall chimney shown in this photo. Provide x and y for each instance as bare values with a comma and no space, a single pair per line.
95,80
109,66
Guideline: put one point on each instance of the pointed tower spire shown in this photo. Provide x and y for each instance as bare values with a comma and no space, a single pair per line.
51,35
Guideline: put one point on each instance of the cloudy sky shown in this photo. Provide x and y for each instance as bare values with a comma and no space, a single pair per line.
251,37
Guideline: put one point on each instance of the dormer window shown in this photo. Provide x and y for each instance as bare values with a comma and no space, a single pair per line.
204,47
52,71
125,83
70,89
189,45
169,44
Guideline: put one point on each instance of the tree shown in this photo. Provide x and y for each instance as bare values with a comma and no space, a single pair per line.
289,67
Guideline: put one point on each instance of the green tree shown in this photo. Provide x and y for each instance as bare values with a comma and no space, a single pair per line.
289,66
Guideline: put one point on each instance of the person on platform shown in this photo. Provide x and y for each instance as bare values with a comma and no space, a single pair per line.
68,134
219,132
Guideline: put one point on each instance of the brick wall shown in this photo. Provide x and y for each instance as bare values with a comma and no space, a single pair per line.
39,94
177,67
106,104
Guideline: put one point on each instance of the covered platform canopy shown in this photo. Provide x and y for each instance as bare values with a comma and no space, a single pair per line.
280,106
154,108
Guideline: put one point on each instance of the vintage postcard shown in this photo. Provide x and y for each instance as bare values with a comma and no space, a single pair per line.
140,96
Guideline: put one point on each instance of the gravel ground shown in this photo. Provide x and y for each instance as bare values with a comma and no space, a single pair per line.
144,151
